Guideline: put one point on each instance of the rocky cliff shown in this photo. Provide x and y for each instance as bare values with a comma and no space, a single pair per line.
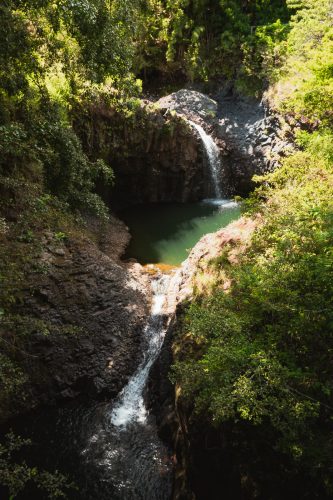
89,310
158,157
154,154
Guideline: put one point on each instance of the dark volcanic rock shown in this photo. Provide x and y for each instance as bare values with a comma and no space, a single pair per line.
95,309
160,390
255,140
155,155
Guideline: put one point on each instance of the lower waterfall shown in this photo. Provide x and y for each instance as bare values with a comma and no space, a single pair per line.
125,450
130,406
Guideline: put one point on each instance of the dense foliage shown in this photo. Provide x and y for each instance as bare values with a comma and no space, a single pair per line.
262,365
263,351
205,39
48,62
15,475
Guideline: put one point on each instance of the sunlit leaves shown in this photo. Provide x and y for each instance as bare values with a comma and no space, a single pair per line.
264,349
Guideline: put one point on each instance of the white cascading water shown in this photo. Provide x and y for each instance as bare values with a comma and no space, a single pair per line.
123,446
213,157
130,406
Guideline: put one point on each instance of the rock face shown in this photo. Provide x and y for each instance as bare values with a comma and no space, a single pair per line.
255,140
154,154
95,309
252,139
158,157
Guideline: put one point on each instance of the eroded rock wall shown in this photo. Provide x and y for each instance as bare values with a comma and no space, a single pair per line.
154,154
94,308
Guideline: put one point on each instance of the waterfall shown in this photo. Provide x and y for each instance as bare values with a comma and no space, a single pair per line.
130,406
213,157
123,450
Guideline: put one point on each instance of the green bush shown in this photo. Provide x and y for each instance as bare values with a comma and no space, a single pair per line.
15,475
265,348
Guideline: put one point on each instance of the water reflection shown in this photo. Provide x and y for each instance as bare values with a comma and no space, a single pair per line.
166,232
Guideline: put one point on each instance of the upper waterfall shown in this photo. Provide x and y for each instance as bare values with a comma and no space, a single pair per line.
213,157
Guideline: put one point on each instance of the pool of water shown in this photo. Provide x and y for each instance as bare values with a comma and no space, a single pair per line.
165,233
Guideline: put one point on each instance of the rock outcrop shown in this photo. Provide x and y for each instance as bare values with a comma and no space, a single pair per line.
190,103
196,273
154,154
92,309
255,140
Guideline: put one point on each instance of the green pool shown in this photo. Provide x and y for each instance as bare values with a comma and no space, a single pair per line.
164,233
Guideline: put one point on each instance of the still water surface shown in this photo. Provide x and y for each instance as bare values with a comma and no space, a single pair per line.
164,233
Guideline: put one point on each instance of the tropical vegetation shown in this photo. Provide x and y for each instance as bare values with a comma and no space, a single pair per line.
260,355
259,361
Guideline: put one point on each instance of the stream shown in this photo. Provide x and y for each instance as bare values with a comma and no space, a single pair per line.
125,447
112,450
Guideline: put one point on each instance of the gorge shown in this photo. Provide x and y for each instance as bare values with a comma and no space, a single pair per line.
166,235
114,446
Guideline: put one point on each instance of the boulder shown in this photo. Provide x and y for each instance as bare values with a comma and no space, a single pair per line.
190,103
